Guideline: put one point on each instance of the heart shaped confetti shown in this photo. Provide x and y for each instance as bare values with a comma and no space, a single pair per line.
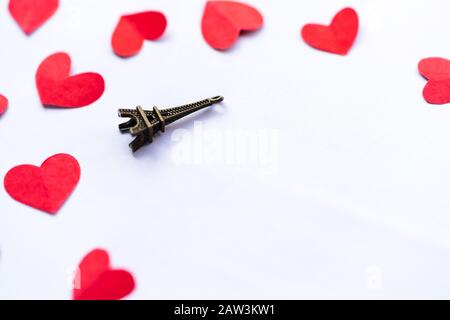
31,14
58,89
47,187
3,104
95,280
435,68
437,91
223,22
131,31
336,38
437,72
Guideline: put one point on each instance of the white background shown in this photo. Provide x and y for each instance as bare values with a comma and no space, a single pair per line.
359,206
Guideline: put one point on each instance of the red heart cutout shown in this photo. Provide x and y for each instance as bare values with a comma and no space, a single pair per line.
3,104
338,37
31,14
58,89
437,91
131,31
223,22
435,68
47,187
437,71
95,280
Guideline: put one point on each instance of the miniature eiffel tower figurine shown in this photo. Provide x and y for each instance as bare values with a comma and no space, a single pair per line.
144,124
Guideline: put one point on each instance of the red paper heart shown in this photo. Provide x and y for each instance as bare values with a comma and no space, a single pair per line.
31,14
437,71
435,68
95,280
131,31
58,89
3,104
338,37
47,187
437,91
223,22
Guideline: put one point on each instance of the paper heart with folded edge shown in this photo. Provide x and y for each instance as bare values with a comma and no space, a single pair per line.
223,22
336,38
132,30
46,187
3,104
437,72
31,14
58,89
96,280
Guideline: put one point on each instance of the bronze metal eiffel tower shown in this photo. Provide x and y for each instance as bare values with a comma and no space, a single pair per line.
144,124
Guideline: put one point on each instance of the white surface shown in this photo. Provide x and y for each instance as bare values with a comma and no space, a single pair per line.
359,206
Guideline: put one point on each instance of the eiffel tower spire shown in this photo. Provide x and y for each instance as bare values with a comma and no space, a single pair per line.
144,124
